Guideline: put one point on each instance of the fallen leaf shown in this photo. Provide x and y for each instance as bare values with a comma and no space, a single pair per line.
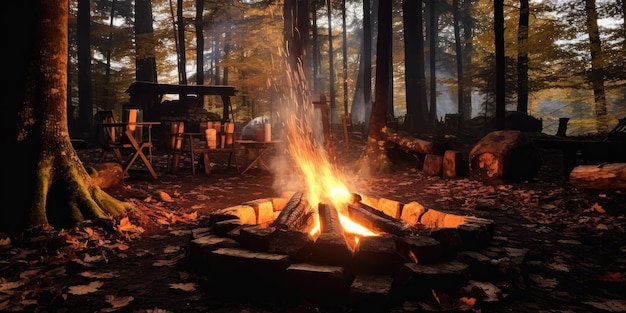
126,225
118,302
609,305
102,275
165,196
543,282
184,286
6,287
85,289
165,262
558,267
95,258
5,241
598,208
171,249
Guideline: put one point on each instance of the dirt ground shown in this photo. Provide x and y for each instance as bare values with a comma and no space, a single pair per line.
574,241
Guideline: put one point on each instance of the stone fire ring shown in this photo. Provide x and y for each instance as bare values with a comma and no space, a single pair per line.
242,254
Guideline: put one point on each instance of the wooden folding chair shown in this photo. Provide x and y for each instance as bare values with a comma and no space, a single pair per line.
175,145
112,135
217,138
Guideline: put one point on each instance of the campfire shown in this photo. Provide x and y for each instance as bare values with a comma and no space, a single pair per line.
323,240
363,248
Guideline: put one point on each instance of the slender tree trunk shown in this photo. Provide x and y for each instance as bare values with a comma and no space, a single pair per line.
318,84
459,58
432,39
182,55
498,26
376,139
108,101
522,58
345,56
467,59
85,107
199,42
367,62
597,67
331,65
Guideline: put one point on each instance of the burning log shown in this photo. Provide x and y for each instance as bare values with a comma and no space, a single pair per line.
331,247
291,215
372,218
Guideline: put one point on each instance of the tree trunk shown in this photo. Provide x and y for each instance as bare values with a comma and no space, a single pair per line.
467,59
375,159
145,58
498,27
416,105
182,55
459,59
200,43
597,67
522,57
55,187
85,107
432,46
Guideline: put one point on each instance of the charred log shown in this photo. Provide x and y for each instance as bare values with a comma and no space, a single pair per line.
331,247
374,219
292,214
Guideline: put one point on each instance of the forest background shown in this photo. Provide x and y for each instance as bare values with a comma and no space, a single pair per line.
561,67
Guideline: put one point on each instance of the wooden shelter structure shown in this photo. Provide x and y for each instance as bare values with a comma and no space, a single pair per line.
147,96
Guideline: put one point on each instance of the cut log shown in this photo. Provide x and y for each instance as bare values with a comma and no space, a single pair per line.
433,165
603,176
331,246
409,142
374,219
292,214
452,164
329,219
504,155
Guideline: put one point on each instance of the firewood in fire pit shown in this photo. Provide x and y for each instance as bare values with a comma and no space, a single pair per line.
331,247
290,217
374,219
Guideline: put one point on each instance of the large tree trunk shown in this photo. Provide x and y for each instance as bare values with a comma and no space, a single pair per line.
53,186
416,105
145,58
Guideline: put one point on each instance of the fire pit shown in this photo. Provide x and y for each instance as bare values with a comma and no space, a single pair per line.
281,247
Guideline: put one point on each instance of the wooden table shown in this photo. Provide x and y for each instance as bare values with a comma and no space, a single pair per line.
138,146
259,149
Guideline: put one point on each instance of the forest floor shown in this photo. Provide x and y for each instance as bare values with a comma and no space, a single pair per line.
575,243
